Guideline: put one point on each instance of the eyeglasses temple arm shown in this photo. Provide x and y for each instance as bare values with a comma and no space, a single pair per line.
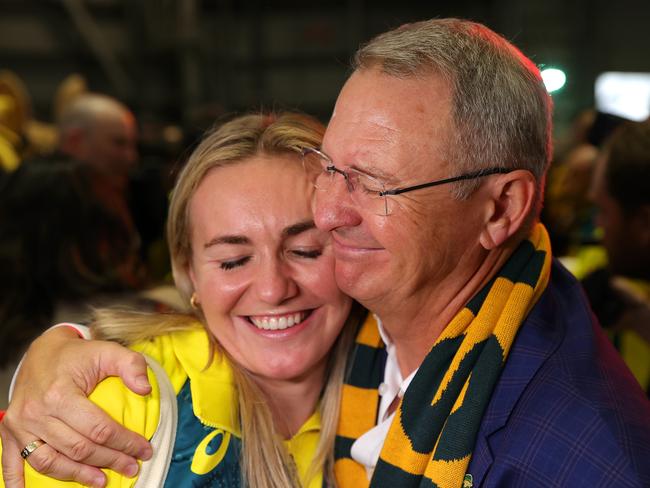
469,176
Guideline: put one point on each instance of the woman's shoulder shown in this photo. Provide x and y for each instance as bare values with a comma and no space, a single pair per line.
178,352
139,413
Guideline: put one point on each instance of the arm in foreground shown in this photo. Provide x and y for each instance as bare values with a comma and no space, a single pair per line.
49,402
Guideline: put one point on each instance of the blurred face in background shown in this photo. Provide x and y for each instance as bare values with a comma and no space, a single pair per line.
262,272
110,144
626,233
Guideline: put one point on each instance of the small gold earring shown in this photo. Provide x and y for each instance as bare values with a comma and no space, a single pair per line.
194,301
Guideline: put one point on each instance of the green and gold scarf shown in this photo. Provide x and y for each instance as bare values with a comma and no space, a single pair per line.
431,439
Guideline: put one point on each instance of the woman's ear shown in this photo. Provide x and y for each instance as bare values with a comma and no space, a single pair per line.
511,199
190,274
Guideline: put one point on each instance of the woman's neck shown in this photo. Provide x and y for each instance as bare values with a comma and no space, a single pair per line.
292,402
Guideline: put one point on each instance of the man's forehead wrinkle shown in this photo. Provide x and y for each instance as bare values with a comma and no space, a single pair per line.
378,131
363,133
382,124
376,145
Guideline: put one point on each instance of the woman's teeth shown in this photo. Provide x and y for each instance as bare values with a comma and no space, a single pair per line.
278,322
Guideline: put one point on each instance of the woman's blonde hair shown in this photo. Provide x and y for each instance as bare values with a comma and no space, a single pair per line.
265,460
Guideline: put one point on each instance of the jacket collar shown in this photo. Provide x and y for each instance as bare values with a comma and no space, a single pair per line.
214,395
215,400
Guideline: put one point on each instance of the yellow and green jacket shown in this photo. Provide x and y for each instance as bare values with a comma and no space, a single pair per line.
207,446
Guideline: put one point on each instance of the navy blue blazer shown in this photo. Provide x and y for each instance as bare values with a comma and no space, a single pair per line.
566,411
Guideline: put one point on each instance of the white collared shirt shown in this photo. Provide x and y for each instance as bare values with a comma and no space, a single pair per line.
366,448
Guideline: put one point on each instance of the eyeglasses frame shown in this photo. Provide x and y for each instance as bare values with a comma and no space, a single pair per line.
398,191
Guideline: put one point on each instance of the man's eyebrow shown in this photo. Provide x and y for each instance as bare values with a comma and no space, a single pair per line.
227,240
298,228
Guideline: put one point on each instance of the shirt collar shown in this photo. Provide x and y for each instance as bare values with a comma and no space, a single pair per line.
393,384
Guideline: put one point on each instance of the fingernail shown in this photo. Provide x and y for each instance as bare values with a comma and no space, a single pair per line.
99,482
142,381
131,470
146,453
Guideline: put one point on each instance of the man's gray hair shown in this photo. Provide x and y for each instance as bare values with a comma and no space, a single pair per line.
501,110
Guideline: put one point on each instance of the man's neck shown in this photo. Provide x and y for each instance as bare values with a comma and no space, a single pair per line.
415,322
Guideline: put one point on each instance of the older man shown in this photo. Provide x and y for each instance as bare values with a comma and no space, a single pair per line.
456,273
480,364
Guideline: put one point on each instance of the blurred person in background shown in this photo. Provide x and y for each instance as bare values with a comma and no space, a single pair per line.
10,140
15,108
101,133
22,136
620,292
568,212
66,232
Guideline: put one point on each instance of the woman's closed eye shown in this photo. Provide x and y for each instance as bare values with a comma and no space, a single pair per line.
234,263
231,264
307,253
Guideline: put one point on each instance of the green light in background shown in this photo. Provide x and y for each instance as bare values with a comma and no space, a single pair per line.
553,78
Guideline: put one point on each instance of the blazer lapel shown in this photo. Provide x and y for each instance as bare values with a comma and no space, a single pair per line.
539,336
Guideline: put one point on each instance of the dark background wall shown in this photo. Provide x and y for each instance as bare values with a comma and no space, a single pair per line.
187,61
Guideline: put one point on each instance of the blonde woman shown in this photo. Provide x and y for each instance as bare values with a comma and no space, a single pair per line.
257,367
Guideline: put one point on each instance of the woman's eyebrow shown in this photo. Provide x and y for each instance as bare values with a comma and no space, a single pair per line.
298,228
289,231
228,239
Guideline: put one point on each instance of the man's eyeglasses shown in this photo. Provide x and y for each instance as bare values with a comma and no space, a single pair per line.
367,191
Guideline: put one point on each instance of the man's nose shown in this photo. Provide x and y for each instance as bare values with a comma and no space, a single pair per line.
275,283
334,208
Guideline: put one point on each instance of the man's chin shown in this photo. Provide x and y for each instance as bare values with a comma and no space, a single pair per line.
355,279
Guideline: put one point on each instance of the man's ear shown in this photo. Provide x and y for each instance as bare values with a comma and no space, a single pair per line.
511,199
